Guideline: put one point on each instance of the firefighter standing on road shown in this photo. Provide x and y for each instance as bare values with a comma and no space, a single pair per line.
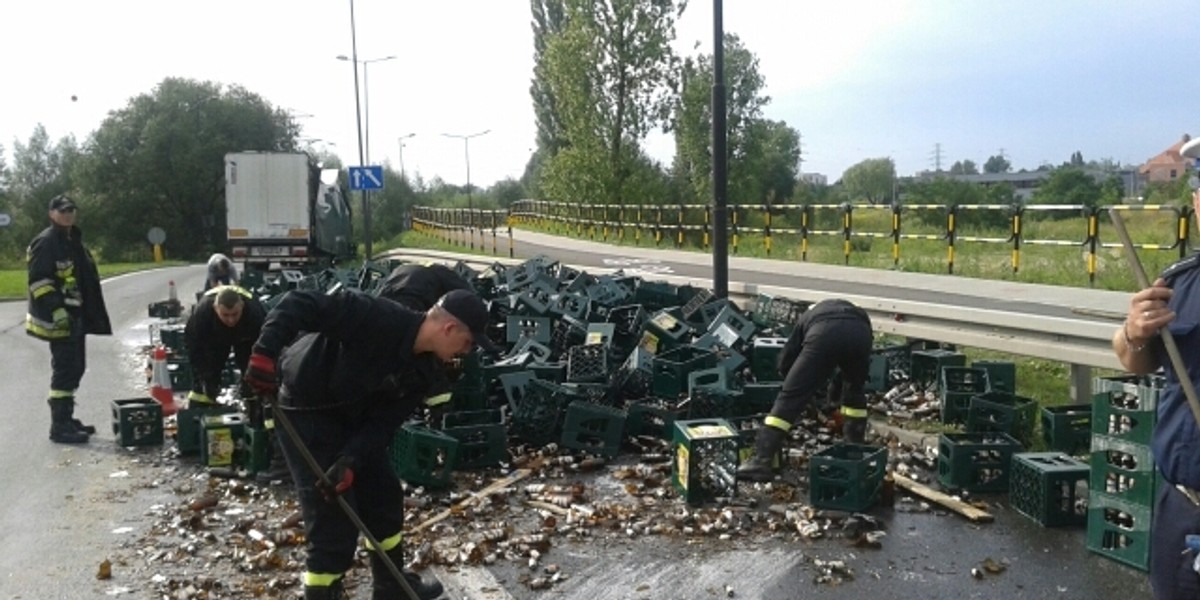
65,304
348,380
830,334
1172,301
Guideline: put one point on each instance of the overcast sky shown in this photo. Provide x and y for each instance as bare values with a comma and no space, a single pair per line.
1036,79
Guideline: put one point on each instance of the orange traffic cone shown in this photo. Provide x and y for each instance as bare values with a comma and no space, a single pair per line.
160,382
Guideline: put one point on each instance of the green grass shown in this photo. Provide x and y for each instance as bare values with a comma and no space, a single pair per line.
15,282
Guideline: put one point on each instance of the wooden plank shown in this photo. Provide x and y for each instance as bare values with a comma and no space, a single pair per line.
972,513
492,488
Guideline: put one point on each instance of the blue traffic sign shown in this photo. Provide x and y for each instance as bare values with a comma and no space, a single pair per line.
366,178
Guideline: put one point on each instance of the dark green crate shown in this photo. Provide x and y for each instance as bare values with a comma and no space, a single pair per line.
759,398
956,386
137,422
187,421
764,358
1045,486
222,440
671,369
655,295
1123,470
1119,530
1067,428
1003,412
1133,392
593,428
706,459
1002,375
180,371
652,417
172,338
976,462
482,437
538,329
556,371
715,403
664,331
1116,414
258,449
538,416
424,456
927,365
846,477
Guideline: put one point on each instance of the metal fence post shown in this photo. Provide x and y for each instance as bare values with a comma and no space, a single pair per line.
951,212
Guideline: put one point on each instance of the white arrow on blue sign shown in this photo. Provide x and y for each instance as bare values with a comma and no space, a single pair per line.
5,219
366,178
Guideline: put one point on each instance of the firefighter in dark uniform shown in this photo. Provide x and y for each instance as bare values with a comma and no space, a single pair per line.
1172,301
831,334
227,318
347,381
65,304
419,286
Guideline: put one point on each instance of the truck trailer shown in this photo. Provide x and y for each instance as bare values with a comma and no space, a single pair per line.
282,208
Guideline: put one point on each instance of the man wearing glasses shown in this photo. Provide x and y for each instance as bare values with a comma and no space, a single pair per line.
65,304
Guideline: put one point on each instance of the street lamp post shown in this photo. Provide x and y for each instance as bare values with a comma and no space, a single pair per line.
467,153
401,140
363,160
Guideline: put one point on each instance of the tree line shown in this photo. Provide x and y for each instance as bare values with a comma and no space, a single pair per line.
605,75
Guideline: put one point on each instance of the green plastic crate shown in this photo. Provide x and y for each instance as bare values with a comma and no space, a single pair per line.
137,422
956,386
1045,487
187,420
663,332
1135,392
1119,530
976,462
671,369
1067,428
222,440
424,456
652,417
926,365
1117,413
1003,412
764,358
593,428
706,459
846,476
1001,374
482,437
1123,470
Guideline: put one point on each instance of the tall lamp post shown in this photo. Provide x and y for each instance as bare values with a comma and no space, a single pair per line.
366,99
363,160
401,141
467,153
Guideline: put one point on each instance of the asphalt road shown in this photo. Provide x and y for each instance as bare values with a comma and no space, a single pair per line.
67,508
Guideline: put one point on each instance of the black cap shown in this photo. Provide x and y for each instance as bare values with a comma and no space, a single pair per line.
470,309
60,202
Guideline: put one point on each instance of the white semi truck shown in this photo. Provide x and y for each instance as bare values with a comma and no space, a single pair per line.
282,208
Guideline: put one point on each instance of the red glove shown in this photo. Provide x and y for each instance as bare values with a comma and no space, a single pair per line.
261,374
340,476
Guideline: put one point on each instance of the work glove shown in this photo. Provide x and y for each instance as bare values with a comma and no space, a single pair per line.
62,321
338,479
196,398
261,376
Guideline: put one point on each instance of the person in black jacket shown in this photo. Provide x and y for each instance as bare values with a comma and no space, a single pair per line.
348,364
419,286
227,318
65,304
831,334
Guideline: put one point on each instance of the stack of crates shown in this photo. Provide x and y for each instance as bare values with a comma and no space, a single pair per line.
1047,487
706,459
1124,479
957,386
846,477
976,462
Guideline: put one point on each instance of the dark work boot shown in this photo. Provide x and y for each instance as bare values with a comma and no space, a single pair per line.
385,587
79,426
854,430
325,592
277,468
761,467
62,429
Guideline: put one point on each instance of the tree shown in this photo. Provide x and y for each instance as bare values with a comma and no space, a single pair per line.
609,71
997,164
41,170
871,179
748,137
1068,185
159,162
549,20
507,191
1076,159
964,167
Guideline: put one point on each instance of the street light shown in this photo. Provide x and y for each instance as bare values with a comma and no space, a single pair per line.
366,98
401,140
467,152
